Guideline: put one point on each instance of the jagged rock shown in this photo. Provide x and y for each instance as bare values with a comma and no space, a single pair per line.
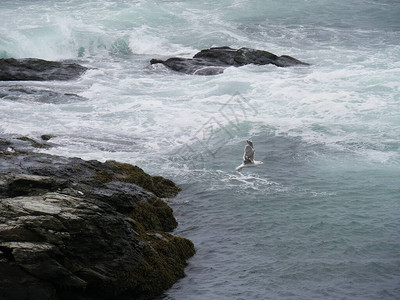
33,142
46,137
23,184
20,144
75,229
38,69
192,66
214,60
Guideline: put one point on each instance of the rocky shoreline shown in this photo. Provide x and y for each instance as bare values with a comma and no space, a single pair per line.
75,229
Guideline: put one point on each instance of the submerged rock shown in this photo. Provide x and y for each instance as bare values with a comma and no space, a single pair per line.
33,142
46,137
38,69
24,93
75,229
214,60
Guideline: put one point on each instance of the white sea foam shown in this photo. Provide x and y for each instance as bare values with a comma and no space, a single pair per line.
143,40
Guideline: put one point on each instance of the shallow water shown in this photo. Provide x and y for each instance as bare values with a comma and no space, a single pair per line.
320,219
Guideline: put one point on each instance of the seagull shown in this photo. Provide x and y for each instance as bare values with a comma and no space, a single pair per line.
248,156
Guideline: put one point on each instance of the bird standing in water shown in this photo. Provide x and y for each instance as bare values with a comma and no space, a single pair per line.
248,156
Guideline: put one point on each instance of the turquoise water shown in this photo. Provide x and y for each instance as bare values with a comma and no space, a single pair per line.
320,220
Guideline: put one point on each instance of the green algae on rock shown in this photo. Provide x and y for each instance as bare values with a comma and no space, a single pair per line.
160,186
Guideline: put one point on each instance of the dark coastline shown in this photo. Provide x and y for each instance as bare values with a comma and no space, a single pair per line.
75,229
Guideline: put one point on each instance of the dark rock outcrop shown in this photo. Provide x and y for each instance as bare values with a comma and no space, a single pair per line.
46,137
38,69
75,229
214,60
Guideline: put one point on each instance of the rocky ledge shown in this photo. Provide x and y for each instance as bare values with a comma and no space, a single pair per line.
215,60
12,69
75,229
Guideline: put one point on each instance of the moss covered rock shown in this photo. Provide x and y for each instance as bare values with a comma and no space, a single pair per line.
75,229
160,186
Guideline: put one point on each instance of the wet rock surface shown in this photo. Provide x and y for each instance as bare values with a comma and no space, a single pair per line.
17,92
38,69
75,229
215,60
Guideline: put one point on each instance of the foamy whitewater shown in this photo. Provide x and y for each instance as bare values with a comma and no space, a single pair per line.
321,219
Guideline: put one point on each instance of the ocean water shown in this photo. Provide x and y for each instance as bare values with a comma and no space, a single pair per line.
321,219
